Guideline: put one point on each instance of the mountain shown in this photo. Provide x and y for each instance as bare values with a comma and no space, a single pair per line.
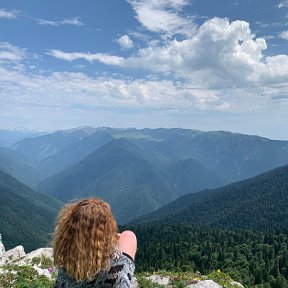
26,217
257,203
230,156
10,136
54,152
16,165
118,174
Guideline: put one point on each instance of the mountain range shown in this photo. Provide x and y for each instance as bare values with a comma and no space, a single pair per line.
139,170
258,203
184,192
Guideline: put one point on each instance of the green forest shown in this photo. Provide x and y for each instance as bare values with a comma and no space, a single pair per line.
255,259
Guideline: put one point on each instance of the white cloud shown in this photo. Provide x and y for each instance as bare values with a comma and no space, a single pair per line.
163,16
125,42
222,56
283,4
8,14
221,67
25,90
10,53
68,21
77,90
101,57
284,35
275,72
72,21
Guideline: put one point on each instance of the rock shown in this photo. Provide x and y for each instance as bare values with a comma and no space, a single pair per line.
159,279
134,283
2,248
18,256
46,252
205,284
15,254
44,272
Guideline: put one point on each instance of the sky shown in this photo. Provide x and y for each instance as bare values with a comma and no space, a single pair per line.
200,64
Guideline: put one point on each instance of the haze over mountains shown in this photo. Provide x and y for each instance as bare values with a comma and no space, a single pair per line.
139,170
258,203
11,136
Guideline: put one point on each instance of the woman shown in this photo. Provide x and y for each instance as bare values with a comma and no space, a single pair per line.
88,251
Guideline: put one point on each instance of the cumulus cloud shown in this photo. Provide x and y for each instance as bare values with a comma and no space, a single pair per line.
101,57
163,16
67,21
125,42
8,14
221,56
284,35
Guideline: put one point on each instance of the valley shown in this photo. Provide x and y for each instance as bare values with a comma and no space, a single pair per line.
201,201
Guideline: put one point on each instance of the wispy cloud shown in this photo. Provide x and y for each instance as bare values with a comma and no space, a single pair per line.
101,57
125,42
67,21
9,14
10,53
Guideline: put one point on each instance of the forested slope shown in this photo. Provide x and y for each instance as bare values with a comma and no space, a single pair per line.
26,217
257,203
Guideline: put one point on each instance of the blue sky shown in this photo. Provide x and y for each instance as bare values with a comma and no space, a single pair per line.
200,64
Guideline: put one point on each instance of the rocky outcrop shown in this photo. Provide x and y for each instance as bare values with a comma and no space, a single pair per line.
167,281
42,262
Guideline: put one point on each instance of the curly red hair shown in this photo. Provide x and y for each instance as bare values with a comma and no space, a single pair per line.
85,238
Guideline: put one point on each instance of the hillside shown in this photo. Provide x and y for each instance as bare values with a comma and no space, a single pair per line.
16,165
256,259
189,176
26,217
118,174
257,203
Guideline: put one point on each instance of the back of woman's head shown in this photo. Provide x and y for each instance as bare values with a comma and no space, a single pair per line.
85,238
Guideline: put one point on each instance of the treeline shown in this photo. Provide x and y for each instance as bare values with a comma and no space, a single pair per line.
256,259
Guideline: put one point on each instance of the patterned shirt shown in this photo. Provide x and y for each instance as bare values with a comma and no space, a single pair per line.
118,276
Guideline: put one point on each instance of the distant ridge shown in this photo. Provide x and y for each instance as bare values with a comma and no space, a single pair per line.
258,203
231,156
